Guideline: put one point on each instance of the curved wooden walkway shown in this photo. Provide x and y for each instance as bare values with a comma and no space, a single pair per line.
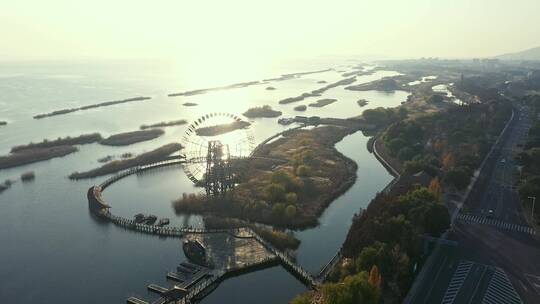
102,209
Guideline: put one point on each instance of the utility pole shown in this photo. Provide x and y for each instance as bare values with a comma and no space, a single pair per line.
534,200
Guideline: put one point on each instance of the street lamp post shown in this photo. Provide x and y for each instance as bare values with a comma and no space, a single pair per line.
534,200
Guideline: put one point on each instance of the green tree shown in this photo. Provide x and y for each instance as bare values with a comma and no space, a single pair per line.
405,153
458,177
274,192
278,209
290,211
291,198
396,144
302,171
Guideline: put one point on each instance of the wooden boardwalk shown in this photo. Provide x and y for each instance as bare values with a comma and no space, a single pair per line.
197,287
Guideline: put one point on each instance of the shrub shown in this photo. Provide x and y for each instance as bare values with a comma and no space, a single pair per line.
302,170
290,211
291,198
278,209
274,192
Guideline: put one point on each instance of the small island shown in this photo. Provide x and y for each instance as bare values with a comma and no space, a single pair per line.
28,176
3,123
119,165
322,81
28,156
318,92
5,185
222,129
300,108
264,111
128,138
290,185
44,150
385,85
227,87
60,141
362,102
92,106
322,102
270,88
189,104
164,124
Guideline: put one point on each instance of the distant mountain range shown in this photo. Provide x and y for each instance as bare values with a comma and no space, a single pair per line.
530,54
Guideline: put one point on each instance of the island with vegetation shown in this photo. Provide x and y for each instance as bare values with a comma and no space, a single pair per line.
164,124
5,185
189,104
29,156
88,107
295,75
386,84
139,160
264,111
222,128
28,176
270,88
322,102
318,92
296,177
3,123
44,150
227,87
300,108
128,138
60,141
362,102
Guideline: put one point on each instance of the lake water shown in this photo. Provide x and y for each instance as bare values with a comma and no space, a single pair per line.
54,251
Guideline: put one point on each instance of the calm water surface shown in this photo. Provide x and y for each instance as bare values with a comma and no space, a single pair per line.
52,249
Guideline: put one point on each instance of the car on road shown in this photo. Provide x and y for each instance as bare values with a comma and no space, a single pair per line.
490,213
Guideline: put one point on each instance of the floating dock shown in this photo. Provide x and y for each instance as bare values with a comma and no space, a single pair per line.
157,289
134,300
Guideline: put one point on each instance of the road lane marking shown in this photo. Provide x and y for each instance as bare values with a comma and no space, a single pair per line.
496,223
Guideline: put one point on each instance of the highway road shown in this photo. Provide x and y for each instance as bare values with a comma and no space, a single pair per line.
501,196
497,259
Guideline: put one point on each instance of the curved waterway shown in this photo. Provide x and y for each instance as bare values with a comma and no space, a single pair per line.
53,251
319,244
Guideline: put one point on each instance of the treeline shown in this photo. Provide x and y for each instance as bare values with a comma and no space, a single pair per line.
529,158
388,235
449,144
382,247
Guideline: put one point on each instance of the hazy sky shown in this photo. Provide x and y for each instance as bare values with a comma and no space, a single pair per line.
254,30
